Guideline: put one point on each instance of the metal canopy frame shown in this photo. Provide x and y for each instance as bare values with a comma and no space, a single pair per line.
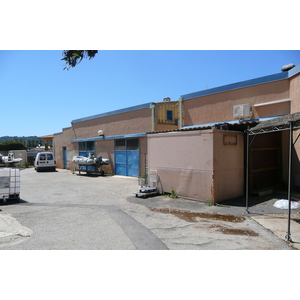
289,122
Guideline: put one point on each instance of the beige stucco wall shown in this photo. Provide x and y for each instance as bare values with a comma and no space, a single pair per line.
61,140
143,155
295,93
105,148
118,124
228,174
164,127
197,164
123,123
219,107
184,161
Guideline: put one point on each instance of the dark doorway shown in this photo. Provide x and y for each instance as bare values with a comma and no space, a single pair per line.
265,162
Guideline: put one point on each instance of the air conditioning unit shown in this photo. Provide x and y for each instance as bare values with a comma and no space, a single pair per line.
242,111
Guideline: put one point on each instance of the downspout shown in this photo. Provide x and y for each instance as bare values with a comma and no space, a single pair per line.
152,106
180,112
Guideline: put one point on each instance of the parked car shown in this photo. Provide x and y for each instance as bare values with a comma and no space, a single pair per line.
45,161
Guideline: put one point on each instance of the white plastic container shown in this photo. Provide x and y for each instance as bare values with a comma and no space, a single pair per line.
9,183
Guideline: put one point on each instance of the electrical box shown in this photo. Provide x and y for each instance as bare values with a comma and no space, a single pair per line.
242,111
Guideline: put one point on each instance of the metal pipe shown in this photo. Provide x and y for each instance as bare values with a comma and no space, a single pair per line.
288,234
180,112
152,106
247,172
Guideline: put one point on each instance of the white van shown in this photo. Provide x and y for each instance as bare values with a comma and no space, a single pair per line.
45,161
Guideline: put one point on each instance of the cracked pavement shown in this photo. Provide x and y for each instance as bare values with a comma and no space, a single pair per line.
66,211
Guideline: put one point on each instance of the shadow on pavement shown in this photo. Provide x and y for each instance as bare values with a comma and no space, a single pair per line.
12,202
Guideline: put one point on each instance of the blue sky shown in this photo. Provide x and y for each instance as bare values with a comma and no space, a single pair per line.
38,97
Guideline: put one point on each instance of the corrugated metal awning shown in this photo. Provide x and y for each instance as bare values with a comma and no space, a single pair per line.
277,124
231,125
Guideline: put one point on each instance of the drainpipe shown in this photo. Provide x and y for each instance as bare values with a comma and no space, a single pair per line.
180,112
152,106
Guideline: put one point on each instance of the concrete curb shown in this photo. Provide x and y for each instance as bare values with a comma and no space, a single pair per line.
9,226
277,224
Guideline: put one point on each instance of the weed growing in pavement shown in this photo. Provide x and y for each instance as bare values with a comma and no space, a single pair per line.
173,194
212,204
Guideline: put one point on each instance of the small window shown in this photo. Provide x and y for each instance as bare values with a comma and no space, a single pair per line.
82,146
90,146
133,144
87,146
169,115
42,157
120,145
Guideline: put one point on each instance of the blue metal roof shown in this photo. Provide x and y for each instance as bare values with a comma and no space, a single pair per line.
111,137
246,83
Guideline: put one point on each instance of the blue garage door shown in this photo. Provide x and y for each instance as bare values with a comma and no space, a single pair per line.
127,157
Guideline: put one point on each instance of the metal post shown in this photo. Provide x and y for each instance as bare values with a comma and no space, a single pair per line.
247,173
152,107
180,112
288,234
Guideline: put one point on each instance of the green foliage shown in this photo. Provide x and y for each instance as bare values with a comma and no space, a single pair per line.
6,146
173,193
20,139
74,57
212,204
28,141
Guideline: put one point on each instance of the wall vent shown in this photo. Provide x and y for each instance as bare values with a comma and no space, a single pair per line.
242,111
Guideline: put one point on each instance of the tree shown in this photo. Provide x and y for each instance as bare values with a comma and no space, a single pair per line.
74,57
6,146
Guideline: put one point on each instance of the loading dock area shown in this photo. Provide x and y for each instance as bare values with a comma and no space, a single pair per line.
289,123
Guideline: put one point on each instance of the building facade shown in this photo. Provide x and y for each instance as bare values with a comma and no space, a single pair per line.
119,136
196,143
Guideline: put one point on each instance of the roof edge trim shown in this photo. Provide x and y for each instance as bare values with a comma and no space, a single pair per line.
111,137
114,112
243,84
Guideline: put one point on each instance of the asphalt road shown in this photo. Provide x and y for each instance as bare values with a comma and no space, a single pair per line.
68,211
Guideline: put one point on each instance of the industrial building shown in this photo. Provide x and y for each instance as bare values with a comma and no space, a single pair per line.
197,143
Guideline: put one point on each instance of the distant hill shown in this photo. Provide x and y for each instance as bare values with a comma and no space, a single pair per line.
27,140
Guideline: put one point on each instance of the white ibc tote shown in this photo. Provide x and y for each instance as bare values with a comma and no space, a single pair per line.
9,183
